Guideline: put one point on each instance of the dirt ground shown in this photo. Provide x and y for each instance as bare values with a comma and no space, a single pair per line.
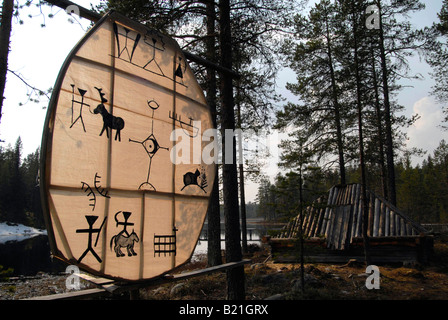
265,279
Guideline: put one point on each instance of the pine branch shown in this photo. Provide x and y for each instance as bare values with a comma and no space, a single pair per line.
34,90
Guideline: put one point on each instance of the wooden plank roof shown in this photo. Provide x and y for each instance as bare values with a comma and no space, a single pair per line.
337,217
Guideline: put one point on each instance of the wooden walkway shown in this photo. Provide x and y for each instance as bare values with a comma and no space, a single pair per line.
108,287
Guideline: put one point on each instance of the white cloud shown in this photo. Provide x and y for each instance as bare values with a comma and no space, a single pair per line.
426,133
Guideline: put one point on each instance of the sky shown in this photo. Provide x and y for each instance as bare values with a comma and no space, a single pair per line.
37,53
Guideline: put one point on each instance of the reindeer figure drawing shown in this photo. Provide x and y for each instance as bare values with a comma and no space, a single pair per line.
109,121
122,241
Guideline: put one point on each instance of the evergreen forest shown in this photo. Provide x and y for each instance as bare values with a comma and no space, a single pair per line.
345,125
19,186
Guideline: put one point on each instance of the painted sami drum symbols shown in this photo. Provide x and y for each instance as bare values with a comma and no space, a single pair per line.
116,204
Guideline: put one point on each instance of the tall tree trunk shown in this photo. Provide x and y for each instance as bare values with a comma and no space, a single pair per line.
364,200
243,209
213,213
235,276
337,116
379,125
387,115
302,253
5,34
241,184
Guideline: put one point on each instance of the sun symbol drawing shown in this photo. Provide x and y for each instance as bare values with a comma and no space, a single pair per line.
151,147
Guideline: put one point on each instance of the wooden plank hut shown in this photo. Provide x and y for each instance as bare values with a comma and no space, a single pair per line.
333,224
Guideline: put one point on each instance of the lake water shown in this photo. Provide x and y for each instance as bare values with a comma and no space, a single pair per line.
29,256
32,255
255,232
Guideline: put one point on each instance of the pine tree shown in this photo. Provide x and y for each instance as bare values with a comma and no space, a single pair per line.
235,276
30,171
437,56
440,178
213,214
358,56
265,199
395,40
12,186
322,114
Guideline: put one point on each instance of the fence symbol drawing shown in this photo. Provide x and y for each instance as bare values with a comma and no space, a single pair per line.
165,244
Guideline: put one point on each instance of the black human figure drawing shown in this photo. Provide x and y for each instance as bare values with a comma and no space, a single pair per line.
124,47
109,121
125,223
165,244
152,42
127,42
151,146
81,103
191,178
91,193
90,231
123,239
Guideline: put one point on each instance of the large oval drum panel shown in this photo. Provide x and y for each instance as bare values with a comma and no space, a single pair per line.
124,185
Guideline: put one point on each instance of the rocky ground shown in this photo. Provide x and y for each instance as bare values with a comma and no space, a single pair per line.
267,280
42,284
